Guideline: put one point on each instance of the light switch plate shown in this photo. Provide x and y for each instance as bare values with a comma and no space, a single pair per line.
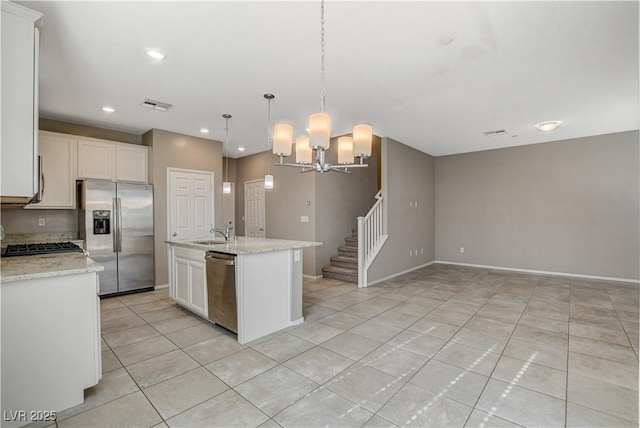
41,222
304,219
296,255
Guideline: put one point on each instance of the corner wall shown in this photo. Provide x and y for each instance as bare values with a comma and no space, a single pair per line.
407,178
568,206
170,149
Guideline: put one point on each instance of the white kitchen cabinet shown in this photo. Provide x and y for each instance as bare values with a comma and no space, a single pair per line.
188,279
107,160
19,143
58,152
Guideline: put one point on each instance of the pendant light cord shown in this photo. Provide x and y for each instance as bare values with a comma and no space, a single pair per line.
268,136
226,143
323,91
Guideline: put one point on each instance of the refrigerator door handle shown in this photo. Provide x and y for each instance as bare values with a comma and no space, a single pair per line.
114,227
119,225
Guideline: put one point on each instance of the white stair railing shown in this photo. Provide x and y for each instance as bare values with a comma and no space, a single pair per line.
371,237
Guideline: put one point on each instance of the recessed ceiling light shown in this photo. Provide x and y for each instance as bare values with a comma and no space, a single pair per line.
204,130
241,149
108,109
446,40
548,126
156,54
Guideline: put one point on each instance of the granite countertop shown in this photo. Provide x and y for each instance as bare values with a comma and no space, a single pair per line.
244,245
45,266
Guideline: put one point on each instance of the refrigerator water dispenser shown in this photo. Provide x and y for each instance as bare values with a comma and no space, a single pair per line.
101,222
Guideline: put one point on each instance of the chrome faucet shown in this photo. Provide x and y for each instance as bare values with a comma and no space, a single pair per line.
224,233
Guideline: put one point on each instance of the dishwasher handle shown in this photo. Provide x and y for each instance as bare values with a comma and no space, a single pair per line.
213,259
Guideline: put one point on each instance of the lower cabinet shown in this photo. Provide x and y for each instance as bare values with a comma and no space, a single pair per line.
188,280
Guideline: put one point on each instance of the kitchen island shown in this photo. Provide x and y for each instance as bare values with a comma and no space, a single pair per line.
50,334
268,281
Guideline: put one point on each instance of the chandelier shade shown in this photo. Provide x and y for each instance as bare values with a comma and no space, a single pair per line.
345,150
362,136
282,139
303,151
226,185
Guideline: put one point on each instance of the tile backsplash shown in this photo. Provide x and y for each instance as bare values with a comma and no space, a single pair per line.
21,221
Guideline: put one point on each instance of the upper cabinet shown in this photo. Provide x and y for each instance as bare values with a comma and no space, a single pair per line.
19,144
106,160
58,153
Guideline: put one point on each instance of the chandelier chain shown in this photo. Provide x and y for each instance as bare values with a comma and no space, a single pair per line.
323,91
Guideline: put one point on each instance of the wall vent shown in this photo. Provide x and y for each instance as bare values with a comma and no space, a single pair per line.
496,132
156,105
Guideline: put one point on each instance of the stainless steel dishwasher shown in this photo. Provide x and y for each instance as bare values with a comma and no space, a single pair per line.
221,289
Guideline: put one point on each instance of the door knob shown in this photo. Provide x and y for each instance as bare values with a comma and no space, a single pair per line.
261,229
174,234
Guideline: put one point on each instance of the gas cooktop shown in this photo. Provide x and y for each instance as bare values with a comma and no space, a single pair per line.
34,249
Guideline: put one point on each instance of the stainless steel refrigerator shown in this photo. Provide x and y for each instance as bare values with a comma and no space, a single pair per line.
116,224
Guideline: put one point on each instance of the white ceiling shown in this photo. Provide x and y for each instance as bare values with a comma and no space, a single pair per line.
509,66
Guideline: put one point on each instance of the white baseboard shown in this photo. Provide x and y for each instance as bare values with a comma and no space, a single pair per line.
542,272
312,276
159,287
400,273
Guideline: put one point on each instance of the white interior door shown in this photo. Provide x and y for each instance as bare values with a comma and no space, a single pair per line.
254,217
190,207
229,209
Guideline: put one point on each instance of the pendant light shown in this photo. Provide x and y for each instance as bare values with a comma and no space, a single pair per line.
268,179
359,145
226,185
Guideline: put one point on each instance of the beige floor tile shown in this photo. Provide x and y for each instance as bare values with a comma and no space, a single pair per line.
545,355
228,409
319,364
175,324
372,307
184,391
112,314
452,382
521,406
366,386
132,335
315,332
143,350
479,419
130,410
162,367
485,325
213,349
485,340
454,318
194,334
323,408
276,389
460,307
394,361
604,397
150,306
110,304
434,328
162,314
351,345
375,329
119,324
413,406
241,366
418,343
396,319
541,337
315,312
468,358
342,320
605,370
554,325
138,298
606,350
283,347
580,417
378,422
532,376
113,385
109,361
598,332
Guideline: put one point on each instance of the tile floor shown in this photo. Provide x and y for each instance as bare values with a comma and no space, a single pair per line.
441,346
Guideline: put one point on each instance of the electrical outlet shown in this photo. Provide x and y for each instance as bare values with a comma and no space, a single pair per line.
410,253
415,204
461,250
410,204
41,222
304,219
421,250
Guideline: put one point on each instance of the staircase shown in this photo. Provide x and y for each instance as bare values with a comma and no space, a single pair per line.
344,266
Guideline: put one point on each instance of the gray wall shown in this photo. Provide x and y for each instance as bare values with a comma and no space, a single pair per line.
568,206
179,151
335,202
407,176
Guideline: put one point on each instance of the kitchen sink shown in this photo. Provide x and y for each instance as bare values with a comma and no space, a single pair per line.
211,242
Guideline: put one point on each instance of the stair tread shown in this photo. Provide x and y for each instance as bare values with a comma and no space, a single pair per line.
344,259
342,270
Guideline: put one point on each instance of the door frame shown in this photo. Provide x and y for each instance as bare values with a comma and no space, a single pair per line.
264,202
191,171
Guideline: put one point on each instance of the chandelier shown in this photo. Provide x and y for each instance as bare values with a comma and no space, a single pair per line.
358,145
226,185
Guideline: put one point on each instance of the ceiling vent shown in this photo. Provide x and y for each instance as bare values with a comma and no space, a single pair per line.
156,105
496,132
